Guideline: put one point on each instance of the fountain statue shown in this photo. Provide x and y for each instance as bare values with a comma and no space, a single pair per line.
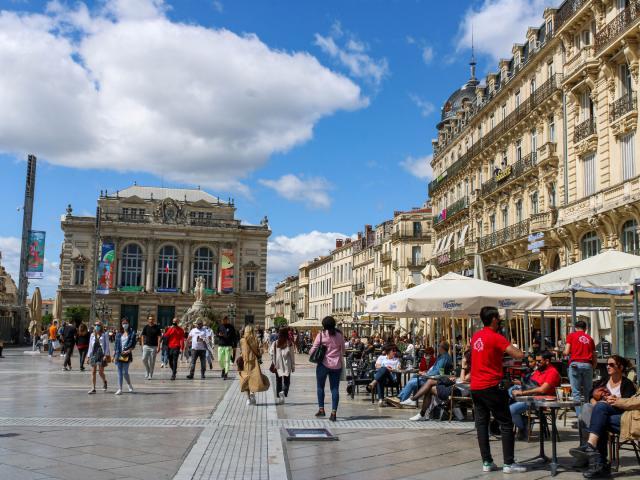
197,310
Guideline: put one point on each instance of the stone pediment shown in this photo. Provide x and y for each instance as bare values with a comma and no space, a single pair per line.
132,199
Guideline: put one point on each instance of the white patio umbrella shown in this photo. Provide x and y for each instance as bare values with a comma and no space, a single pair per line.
478,267
57,306
430,272
408,282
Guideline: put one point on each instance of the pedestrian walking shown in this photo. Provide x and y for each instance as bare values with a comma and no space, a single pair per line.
150,346
53,337
125,342
198,338
175,344
61,338
252,380
583,359
330,365
487,351
283,363
82,342
209,345
164,350
227,342
69,341
99,355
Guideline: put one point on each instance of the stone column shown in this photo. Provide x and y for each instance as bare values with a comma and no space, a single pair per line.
150,265
186,267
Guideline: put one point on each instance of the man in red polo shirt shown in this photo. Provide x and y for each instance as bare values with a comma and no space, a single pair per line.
547,378
487,350
582,361
175,344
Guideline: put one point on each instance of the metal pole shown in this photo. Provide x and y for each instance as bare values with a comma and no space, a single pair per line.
526,331
543,343
636,322
27,210
573,307
96,260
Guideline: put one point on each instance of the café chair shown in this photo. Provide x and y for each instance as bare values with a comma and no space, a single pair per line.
615,445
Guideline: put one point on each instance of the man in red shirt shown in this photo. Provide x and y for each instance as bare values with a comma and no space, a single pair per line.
487,350
175,344
547,378
582,361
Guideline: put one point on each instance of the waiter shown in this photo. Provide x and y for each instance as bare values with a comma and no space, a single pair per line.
487,350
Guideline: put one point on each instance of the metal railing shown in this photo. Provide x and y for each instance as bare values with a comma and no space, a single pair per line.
542,93
358,287
132,218
450,257
385,283
508,234
416,262
584,130
456,207
623,105
618,25
411,235
385,257
567,10
510,173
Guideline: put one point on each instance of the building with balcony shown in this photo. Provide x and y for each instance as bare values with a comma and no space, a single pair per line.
320,287
162,240
411,246
342,284
363,268
8,304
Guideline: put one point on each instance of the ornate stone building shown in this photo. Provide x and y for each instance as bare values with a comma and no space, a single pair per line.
8,303
535,168
163,240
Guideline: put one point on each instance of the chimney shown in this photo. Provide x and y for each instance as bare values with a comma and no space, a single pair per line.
359,235
339,242
347,241
367,228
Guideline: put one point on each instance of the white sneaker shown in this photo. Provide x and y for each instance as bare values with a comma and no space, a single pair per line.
118,392
419,418
514,468
281,395
457,412
146,376
382,403
248,401
253,399
489,467
130,388
162,365
409,403
92,391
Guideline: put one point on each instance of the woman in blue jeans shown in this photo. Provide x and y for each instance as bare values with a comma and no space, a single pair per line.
330,366
124,344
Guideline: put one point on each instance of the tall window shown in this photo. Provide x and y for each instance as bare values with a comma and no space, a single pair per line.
519,211
505,217
204,265
131,266
626,81
589,174
586,106
534,203
627,154
590,245
492,223
549,69
629,238
492,121
552,194
518,150
167,268
552,128
532,86
250,281
78,274
504,111
517,98
416,255
534,141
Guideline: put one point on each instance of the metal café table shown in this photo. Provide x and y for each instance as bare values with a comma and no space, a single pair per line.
540,403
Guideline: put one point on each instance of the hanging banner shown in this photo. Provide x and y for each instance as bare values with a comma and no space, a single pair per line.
106,268
226,270
35,254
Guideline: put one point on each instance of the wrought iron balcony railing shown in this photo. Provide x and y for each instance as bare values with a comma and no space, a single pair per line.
567,10
456,207
416,262
450,257
584,130
385,257
510,173
622,106
621,23
506,235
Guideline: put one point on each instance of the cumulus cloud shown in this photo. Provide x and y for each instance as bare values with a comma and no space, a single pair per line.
311,191
418,167
427,54
10,249
286,254
426,107
498,24
352,55
124,87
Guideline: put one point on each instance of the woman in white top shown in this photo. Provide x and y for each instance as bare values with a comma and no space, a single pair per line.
284,363
98,355
385,372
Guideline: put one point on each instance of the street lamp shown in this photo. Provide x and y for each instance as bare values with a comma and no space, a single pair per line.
104,312
231,312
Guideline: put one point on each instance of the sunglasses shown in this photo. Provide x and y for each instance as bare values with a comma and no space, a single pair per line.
612,365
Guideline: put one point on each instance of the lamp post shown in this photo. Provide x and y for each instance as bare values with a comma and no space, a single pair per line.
104,312
231,312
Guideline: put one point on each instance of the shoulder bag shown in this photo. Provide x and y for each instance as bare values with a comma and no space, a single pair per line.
318,354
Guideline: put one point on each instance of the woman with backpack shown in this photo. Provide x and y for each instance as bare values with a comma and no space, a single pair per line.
283,363
98,355
329,344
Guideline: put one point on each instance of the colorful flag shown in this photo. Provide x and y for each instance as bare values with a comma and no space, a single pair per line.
106,268
35,254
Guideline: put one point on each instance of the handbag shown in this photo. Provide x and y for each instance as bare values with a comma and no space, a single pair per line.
123,358
273,368
240,363
318,354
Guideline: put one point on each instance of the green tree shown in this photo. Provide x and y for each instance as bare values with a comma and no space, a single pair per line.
279,322
76,314
47,318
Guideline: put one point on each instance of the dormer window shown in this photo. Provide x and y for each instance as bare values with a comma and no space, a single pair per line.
516,59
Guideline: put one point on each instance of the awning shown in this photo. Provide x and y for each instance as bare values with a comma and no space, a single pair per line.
438,244
463,234
307,323
447,244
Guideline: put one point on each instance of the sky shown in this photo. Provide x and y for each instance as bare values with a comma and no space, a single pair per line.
318,114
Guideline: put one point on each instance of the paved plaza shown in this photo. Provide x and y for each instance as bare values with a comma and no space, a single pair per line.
202,429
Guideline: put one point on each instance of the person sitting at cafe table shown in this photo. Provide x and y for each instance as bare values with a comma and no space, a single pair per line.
443,364
419,379
442,389
547,378
611,400
385,366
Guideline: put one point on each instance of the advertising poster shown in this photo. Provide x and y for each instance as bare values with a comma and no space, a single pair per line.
35,254
106,268
226,270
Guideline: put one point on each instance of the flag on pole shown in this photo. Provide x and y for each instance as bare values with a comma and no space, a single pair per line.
166,268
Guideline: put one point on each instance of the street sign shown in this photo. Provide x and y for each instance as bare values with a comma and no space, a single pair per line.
536,245
534,237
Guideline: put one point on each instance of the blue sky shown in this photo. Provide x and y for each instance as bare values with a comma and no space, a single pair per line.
317,114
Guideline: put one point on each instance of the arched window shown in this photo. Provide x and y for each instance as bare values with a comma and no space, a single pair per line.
629,238
590,245
131,266
167,268
204,266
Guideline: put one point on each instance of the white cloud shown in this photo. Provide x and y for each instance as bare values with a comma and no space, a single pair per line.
286,254
10,248
426,107
418,167
311,191
218,6
498,24
427,54
129,89
353,55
